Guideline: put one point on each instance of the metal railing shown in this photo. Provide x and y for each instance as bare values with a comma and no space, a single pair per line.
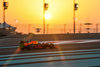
56,28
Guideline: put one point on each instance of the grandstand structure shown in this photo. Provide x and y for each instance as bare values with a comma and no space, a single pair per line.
7,29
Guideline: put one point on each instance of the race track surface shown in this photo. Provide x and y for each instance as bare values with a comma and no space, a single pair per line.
76,53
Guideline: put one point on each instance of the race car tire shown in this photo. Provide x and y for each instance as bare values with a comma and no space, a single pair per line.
22,46
44,47
51,46
30,47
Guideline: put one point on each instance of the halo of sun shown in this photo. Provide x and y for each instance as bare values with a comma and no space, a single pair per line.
47,16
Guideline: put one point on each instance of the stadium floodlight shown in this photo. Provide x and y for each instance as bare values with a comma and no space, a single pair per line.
74,22
76,6
5,4
46,6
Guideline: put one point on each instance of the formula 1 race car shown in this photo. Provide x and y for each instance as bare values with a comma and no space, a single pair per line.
35,45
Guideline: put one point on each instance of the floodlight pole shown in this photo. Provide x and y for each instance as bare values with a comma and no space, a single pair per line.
43,17
3,16
5,6
74,23
97,25
47,28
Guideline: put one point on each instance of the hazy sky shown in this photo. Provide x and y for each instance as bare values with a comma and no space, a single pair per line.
61,11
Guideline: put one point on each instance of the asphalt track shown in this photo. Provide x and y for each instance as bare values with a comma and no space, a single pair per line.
68,54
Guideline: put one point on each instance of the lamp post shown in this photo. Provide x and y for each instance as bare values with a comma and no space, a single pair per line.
64,28
43,17
5,6
47,28
97,25
45,7
74,22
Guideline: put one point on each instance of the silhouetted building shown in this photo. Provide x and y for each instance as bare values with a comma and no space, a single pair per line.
6,29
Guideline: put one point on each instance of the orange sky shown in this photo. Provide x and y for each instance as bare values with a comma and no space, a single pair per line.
31,11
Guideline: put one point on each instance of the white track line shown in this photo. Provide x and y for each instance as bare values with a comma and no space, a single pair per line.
48,58
48,52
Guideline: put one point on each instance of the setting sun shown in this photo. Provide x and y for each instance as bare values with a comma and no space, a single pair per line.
59,12
47,16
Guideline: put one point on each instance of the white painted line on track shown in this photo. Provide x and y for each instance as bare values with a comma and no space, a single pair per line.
48,59
28,56
9,47
48,52
77,63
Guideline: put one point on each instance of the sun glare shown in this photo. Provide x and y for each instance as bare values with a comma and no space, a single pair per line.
47,16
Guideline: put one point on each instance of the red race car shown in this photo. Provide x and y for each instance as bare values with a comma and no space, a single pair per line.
35,44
